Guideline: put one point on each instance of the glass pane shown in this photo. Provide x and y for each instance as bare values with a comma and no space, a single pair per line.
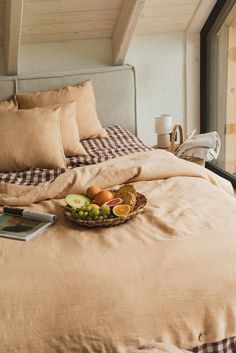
222,85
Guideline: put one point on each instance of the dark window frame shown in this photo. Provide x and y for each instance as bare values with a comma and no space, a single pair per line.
220,4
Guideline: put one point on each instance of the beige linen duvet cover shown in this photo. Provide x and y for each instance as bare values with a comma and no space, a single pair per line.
168,275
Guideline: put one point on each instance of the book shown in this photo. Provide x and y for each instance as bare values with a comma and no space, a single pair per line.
21,224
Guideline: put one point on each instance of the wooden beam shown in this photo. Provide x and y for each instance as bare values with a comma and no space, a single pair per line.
125,28
200,16
192,65
12,35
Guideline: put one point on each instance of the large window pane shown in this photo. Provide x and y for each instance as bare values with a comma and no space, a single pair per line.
221,84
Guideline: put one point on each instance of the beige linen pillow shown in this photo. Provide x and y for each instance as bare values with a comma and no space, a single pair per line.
83,93
8,105
69,131
31,139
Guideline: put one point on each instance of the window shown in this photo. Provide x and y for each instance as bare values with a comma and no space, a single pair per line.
218,84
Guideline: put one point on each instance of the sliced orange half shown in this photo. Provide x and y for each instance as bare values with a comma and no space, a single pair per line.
121,210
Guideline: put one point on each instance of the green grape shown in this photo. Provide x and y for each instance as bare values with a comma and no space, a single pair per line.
96,212
102,208
87,203
83,208
89,218
88,208
105,216
95,218
81,213
105,209
100,218
91,214
85,214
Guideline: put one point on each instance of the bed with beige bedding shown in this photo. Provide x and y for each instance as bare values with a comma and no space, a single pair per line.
167,275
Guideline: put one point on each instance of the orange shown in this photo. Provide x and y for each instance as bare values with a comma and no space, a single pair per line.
92,191
102,197
121,210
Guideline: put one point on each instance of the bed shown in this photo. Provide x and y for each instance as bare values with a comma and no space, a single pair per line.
166,276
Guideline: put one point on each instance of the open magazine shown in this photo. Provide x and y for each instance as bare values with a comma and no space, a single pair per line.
17,223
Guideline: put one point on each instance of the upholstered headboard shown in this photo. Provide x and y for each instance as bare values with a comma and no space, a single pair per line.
114,89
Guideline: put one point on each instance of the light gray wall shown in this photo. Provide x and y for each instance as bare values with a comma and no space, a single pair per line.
51,57
160,68
158,60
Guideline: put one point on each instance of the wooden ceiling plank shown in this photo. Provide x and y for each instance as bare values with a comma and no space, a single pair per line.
62,37
78,16
12,34
63,6
160,14
68,27
200,16
158,3
169,10
125,28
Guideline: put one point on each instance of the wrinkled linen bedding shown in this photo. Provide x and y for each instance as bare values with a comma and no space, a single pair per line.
167,275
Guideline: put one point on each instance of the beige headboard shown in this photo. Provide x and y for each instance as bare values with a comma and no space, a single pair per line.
114,89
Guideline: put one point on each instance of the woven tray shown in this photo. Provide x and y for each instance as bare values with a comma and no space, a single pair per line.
140,204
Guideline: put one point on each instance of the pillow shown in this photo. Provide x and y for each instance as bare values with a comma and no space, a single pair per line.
8,105
31,139
69,131
83,93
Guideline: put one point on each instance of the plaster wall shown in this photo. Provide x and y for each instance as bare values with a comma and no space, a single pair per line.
159,61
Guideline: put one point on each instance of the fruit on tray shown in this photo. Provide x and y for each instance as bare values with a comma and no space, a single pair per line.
102,197
114,202
121,210
124,190
100,205
128,194
92,213
94,205
77,201
130,199
92,191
